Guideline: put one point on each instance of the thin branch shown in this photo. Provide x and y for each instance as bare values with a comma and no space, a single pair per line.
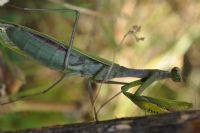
80,9
178,122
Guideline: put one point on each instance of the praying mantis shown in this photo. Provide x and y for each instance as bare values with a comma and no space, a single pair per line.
73,61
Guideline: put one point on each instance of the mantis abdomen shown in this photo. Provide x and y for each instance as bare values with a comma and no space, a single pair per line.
50,52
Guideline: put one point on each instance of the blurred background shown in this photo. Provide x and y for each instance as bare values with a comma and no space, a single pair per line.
171,32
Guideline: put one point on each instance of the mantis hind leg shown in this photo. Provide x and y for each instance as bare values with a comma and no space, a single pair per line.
149,104
66,60
90,89
68,50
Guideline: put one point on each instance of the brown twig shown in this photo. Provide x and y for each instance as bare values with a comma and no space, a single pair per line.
178,122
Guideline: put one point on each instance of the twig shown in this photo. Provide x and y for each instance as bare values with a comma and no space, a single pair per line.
80,9
178,122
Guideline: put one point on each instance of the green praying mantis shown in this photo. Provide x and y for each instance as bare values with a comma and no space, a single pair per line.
73,61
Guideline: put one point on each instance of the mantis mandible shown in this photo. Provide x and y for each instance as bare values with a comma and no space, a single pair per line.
73,61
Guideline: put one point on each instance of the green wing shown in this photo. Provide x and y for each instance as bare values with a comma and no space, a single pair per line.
92,56
6,42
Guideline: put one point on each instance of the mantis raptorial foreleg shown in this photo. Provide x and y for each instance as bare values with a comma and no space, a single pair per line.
150,104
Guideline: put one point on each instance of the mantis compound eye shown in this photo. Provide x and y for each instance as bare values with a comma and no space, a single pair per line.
175,74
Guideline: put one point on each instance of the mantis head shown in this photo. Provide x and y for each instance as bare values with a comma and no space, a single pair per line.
175,74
